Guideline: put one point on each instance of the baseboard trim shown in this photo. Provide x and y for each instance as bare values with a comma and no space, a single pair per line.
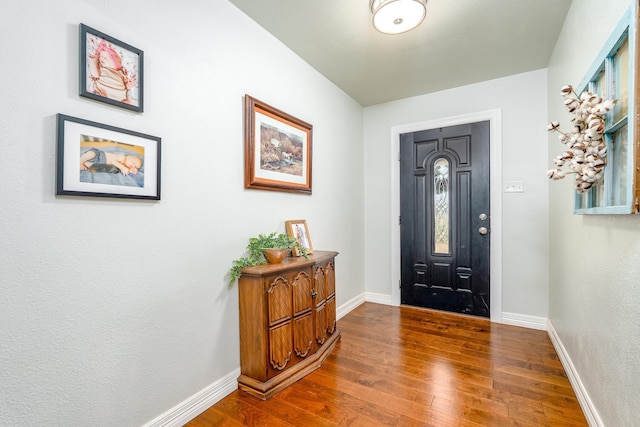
514,319
184,412
345,308
586,404
524,320
379,298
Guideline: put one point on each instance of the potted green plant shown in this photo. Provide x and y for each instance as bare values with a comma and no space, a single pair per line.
260,251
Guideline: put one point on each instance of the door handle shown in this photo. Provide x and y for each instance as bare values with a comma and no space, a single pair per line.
482,230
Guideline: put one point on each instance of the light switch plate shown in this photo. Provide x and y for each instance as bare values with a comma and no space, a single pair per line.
513,187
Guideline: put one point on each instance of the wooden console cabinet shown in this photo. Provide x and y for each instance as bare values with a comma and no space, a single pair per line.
287,321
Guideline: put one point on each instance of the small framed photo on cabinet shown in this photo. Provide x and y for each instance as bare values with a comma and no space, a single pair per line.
298,228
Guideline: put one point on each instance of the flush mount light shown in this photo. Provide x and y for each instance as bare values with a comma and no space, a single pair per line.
397,16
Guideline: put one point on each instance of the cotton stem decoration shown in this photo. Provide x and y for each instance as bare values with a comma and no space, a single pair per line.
586,149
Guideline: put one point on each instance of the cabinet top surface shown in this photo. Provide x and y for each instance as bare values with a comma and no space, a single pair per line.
290,263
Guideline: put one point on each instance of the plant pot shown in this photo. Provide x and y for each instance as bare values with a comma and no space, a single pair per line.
275,256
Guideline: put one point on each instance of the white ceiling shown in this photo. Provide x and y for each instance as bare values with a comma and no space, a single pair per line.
460,42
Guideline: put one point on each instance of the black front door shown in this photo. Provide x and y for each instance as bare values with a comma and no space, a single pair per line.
444,210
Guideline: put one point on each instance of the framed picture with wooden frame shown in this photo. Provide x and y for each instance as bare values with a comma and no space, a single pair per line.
277,149
298,228
111,71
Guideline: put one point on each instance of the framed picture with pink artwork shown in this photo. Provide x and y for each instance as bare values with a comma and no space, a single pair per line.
111,71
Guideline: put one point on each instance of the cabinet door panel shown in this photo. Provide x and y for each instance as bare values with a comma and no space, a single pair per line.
330,279
279,294
303,334
321,324
280,346
320,284
302,291
331,315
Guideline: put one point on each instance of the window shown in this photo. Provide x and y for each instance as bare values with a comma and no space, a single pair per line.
612,77
441,206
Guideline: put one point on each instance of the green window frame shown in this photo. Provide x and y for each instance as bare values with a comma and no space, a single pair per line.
612,76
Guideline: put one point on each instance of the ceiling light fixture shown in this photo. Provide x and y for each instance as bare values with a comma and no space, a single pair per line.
397,16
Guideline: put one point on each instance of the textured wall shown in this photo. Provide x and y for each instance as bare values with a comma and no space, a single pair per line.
594,260
113,311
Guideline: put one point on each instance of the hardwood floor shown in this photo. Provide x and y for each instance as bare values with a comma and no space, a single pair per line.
402,366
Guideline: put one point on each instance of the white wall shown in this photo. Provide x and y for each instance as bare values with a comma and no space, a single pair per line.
594,260
113,311
522,101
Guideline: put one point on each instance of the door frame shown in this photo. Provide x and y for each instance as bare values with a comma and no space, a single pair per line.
495,184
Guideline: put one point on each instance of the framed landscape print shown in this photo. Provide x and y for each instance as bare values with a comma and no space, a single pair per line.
99,160
298,228
277,149
111,71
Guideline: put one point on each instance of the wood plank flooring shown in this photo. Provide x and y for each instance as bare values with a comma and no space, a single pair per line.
402,366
